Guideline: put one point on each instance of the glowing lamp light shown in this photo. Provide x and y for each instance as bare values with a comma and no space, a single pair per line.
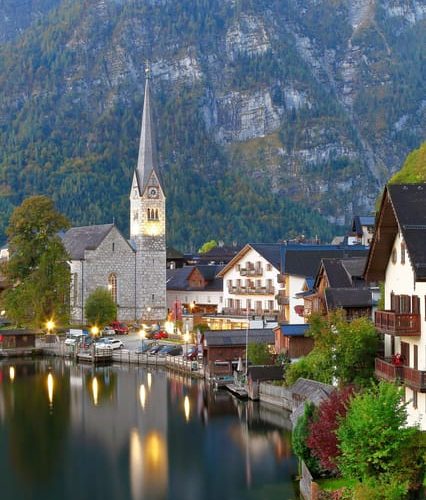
142,396
94,330
149,380
187,408
12,373
95,390
50,325
169,327
50,386
186,337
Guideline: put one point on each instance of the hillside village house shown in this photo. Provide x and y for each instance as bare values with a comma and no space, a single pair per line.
299,264
249,289
339,284
398,258
363,229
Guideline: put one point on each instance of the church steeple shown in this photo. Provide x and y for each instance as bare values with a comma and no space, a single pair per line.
147,159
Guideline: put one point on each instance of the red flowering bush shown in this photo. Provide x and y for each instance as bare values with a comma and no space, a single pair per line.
322,439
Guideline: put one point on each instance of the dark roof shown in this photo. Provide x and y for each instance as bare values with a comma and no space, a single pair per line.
348,297
294,330
265,372
336,273
409,203
238,337
359,221
304,260
78,239
403,207
177,279
269,251
220,252
172,253
18,332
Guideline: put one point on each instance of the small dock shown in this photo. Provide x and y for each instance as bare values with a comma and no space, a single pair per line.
99,357
237,390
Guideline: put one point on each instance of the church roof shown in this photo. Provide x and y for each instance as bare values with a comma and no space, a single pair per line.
147,159
78,239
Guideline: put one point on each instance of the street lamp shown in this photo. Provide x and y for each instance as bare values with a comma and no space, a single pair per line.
94,330
50,325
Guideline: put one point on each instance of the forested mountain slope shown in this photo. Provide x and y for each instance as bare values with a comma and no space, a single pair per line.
274,117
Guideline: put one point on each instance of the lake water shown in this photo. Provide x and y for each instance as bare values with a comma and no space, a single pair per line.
76,432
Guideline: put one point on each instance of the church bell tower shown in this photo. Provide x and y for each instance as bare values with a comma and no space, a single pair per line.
148,223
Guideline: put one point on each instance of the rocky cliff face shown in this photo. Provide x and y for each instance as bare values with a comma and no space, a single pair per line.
321,99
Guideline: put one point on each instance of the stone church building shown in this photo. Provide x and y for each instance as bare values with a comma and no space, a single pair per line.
133,270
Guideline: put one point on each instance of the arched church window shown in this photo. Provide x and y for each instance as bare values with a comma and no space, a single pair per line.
156,213
112,286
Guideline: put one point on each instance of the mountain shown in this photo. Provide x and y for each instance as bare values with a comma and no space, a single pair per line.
274,117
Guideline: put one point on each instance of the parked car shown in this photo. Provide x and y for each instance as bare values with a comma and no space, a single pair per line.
160,334
145,348
71,341
108,330
170,350
114,343
120,328
155,349
192,353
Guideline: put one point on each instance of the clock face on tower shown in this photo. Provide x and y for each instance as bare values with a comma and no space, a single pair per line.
152,192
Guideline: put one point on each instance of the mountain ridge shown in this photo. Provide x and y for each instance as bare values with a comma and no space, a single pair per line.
310,106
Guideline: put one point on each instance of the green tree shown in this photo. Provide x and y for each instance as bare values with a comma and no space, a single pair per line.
207,246
38,267
343,351
374,440
100,309
259,354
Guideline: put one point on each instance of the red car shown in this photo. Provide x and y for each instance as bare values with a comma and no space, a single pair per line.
120,328
161,334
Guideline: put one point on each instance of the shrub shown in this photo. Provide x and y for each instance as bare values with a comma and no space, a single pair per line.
300,436
322,439
374,440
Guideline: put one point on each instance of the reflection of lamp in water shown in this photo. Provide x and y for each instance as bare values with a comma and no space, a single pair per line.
50,384
187,408
149,380
142,395
12,373
136,465
95,390
155,466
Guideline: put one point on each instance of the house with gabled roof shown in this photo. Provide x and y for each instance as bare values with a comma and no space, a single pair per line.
339,284
195,289
398,259
249,288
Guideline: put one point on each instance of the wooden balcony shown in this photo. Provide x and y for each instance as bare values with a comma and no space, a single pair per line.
282,298
411,377
242,313
251,290
399,324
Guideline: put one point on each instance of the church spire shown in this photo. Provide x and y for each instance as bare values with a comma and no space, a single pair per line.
147,160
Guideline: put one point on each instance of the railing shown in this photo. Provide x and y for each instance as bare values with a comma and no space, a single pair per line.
233,311
411,377
400,324
257,271
251,290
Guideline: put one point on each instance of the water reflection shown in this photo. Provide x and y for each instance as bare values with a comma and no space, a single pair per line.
152,434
